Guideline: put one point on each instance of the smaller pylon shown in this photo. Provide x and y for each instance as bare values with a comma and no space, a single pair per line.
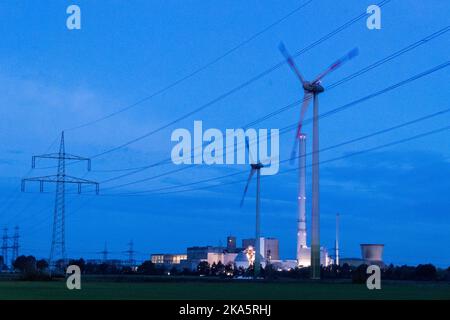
130,252
5,246
15,246
105,253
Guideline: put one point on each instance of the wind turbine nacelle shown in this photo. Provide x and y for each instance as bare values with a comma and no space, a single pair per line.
314,87
257,166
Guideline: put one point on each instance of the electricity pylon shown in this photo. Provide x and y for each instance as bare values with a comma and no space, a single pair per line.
15,245
130,253
58,247
105,253
5,246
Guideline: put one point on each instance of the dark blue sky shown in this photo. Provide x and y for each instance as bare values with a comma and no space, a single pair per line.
54,79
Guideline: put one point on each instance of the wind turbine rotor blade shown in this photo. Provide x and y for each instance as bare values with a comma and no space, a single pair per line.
250,155
306,100
246,186
291,62
293,152
350,55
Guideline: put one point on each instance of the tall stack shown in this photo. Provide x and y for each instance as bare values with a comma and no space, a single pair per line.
336,244
301,199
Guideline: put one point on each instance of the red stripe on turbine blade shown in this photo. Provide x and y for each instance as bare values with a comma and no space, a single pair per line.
291,62
306,100
299,131
351,54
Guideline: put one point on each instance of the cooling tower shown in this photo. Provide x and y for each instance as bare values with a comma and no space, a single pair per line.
372,252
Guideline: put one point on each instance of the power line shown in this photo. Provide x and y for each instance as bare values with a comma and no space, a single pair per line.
6,207
286,129
364,137
84,203
240,86
425,134
46,207
38,224
428,133
326,114
359,72
137,169
19,194
232,91
297,102
375,94
198,70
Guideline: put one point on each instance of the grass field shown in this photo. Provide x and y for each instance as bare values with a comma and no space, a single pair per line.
220,290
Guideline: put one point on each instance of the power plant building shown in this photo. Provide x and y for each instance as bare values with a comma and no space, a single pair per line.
246,258
229,255
210,254
269,247
239,257
167,259
305,257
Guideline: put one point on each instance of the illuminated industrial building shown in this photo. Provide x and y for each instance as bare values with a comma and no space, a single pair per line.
229,255
246,258
167,259
238,257
269,247
305,257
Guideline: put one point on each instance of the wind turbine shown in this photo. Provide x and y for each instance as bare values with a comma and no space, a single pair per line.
312,89
255,167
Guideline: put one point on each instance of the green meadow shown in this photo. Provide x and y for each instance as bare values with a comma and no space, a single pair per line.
107,289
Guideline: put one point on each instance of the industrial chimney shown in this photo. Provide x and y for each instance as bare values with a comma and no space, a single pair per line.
301,199
336,244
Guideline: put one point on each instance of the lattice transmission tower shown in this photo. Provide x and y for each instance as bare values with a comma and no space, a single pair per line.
105,253
5,246
130,252
15,245
58,246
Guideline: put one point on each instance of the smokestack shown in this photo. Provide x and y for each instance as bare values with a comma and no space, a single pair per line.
336,244
301,199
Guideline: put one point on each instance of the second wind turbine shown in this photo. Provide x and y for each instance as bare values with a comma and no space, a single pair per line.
312,89
255,167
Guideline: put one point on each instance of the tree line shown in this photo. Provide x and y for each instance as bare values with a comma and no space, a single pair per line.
30,268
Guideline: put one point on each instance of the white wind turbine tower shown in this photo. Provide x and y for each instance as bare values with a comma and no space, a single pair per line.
311,89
